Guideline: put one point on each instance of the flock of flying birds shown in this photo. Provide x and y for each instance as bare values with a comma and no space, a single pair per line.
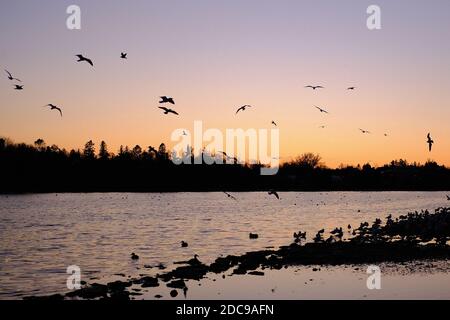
169,100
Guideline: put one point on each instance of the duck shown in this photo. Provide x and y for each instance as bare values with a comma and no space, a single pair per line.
184,244
253,236
134,256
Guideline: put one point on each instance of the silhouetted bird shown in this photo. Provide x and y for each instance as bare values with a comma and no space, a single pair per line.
274,123
351,88
229,195
18,87
165,99
53,107
81,59
429,141
273,192
321,110
322,127
314,87
364,131
194,261
448,198
134,256
385,134
184,244
123,55
167,110
10,77
243,108
253,236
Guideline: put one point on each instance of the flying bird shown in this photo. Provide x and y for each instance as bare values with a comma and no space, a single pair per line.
53,107
322,127
81,59
274,123
167,110
229,195
123,55
321,110
243,108
429,141
314,87
10,77
351,88
165,99
273,192
18,87
364,131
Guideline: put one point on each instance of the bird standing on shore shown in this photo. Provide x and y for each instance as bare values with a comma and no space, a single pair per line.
430,142
184,244
134,256
53,107
81,59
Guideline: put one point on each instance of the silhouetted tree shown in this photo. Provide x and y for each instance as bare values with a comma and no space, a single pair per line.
89,150
40,144
162,152
103,153
2,144
308,161
136,152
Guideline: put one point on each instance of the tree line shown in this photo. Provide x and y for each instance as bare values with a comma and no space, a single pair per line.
48,168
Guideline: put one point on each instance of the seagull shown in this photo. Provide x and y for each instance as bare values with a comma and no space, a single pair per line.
430,141
53,107
167,110
81,59
351,88
243,108
10,77
165,99
314,87
229,195
274,123
123,55
273,192
364,131
321,110
18,87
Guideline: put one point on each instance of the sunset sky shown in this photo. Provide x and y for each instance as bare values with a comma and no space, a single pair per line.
214,56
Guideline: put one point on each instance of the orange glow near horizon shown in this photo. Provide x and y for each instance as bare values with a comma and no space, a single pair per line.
262,56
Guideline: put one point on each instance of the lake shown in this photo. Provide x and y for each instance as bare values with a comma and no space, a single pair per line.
42,234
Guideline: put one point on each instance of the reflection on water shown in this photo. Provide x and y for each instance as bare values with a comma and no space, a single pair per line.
40,235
